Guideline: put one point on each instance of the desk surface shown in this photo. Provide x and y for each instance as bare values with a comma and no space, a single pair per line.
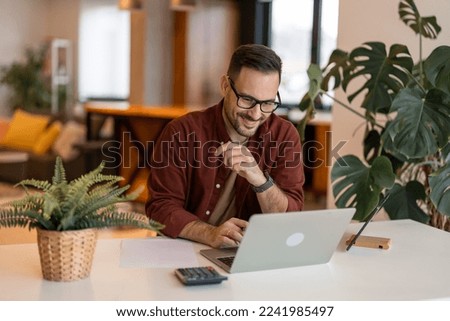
414,268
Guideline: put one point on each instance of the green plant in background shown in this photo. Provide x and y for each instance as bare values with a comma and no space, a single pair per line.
87,202
406,110
30,90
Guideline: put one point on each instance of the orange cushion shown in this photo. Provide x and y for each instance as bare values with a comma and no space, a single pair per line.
47,138
23,130
4,125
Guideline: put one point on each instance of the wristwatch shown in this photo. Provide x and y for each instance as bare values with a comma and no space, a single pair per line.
265,186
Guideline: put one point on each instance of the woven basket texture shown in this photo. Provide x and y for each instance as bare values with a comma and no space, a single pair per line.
66,255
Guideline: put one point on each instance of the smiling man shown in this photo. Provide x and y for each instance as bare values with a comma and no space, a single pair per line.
211,170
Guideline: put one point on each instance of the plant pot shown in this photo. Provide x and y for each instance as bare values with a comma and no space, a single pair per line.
67,255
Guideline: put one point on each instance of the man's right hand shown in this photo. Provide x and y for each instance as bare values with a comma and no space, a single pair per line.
227,234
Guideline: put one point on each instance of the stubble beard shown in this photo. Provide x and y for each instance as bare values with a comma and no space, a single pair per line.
233,120
241,129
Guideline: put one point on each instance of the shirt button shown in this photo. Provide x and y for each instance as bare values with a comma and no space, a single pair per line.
208,212
217,185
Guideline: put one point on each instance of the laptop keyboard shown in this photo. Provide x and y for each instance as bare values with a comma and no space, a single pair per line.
227,260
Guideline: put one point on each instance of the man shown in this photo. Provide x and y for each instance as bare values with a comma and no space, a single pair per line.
213,169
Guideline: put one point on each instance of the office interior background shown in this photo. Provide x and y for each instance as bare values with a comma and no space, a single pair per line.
96,28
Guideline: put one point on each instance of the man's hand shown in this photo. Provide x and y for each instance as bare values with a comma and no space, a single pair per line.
239,159
229,233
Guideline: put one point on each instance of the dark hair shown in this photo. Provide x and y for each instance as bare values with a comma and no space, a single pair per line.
256,57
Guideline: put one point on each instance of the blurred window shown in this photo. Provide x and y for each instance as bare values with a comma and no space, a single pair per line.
302,33
104,51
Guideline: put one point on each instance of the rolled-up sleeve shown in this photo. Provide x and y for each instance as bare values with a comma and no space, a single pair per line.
288,171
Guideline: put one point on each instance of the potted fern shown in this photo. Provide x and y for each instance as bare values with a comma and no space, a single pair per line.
67,216
406,112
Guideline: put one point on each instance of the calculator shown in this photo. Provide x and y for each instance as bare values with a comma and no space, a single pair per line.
199,275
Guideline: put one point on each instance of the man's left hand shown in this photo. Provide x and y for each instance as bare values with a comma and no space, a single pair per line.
240,160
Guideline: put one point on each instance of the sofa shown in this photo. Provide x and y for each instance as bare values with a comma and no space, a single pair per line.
30,143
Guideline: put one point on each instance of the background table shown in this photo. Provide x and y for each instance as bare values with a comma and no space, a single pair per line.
416,267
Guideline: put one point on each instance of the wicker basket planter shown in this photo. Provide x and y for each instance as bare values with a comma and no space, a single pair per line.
67,255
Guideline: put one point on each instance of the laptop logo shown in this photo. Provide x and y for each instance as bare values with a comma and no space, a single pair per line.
295,239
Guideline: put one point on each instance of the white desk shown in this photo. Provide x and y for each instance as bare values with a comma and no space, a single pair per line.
416,267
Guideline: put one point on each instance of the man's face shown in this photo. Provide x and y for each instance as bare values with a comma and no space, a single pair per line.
250,83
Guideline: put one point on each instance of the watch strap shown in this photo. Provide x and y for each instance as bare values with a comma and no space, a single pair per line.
269,183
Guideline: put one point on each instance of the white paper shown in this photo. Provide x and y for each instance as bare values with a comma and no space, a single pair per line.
157,253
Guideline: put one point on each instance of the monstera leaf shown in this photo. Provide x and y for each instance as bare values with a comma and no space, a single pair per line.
385,74
336,69
307,102
437,68
359,186
307,106
421,127
446,152
371,145
402,203
315,80
426,26
440,189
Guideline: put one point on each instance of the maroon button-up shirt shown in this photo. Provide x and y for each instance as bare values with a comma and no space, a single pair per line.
186,178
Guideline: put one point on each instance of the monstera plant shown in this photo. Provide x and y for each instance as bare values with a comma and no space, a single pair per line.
406,110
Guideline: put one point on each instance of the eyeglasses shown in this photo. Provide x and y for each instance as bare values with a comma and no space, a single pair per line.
248,102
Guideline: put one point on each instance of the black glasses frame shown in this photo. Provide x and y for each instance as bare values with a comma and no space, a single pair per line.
255,101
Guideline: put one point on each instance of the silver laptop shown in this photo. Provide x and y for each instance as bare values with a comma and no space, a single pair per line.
283,240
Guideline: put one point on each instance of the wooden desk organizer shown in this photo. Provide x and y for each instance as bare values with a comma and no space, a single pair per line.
371,242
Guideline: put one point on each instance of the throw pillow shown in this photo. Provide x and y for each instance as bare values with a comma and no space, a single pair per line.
71,134
47,138
23,130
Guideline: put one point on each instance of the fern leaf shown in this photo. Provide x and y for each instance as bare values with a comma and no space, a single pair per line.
59,191
110,218
76,190
59,176
41,185
80,187
96,192
50,207
100,199
30,201
15,217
